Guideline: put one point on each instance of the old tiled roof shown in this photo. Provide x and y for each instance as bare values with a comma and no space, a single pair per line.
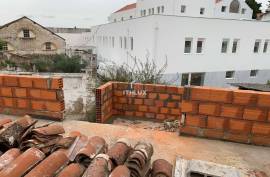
24,17
127,7
43,151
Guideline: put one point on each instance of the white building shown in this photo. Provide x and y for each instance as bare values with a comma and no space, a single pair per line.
205,42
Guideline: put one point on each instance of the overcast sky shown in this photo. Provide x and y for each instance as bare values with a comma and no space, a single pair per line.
62,13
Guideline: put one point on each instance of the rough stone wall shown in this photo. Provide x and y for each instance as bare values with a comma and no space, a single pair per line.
30,46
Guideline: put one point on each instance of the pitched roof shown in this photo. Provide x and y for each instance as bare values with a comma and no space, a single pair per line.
24,17
127,7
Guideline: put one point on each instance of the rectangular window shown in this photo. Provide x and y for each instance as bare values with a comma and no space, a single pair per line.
149,11
200,44
230,74
243,11
257,46
162,9
131,43
224,47
122,19
254,73
153,11
125,42
235,45
130,17
4,46
202,11
184,81
158,10
26,33
121,42
188,44
223,9
48,46
183,9
112,42
265,46
197,79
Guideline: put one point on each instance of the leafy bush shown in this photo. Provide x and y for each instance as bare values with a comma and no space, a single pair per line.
59,63
268,82
145,72
1,45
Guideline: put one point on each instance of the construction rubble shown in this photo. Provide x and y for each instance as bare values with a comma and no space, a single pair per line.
43,151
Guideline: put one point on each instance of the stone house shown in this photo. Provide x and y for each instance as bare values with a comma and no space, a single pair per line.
26,37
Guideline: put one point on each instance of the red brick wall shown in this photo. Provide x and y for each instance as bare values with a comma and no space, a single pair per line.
160,102
34,95
233,115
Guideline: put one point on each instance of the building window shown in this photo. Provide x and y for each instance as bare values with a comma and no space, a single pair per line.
144,13
130,17
200,44
113,42
223,9
4,46
202,11
183,9
162,9
254,73
224,47
26,33
48,46
131,43
234,6
125,42
235,45
265,46
122,19
197,79
230,74
149,11
185,78
158,10
114,20
153,11
121,42
243,11
257,46
188,44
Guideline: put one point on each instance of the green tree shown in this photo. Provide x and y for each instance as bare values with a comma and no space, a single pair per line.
255,6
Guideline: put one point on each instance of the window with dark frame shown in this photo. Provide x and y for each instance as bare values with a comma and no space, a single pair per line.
200,45
224,47
183,8
256,46
158,10
4,46
131,43
162,9
188,43
48,46
26,33
223,9
202,10
265,46
254,73
243,11
184,80
230,74
235,46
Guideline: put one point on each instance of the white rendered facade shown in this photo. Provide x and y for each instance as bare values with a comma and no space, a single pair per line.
213,42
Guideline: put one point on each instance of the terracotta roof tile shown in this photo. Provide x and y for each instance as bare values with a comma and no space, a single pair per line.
127,7
8,157
72,170
23,163
50,130
4,121
121,170
162,167
50,166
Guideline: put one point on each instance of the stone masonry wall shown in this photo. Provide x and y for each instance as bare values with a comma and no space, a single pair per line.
232,115
32,45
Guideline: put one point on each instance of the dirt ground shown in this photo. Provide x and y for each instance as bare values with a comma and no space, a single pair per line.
169,145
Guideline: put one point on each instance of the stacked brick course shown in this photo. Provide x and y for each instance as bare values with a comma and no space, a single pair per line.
160,102
233,115
33,95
